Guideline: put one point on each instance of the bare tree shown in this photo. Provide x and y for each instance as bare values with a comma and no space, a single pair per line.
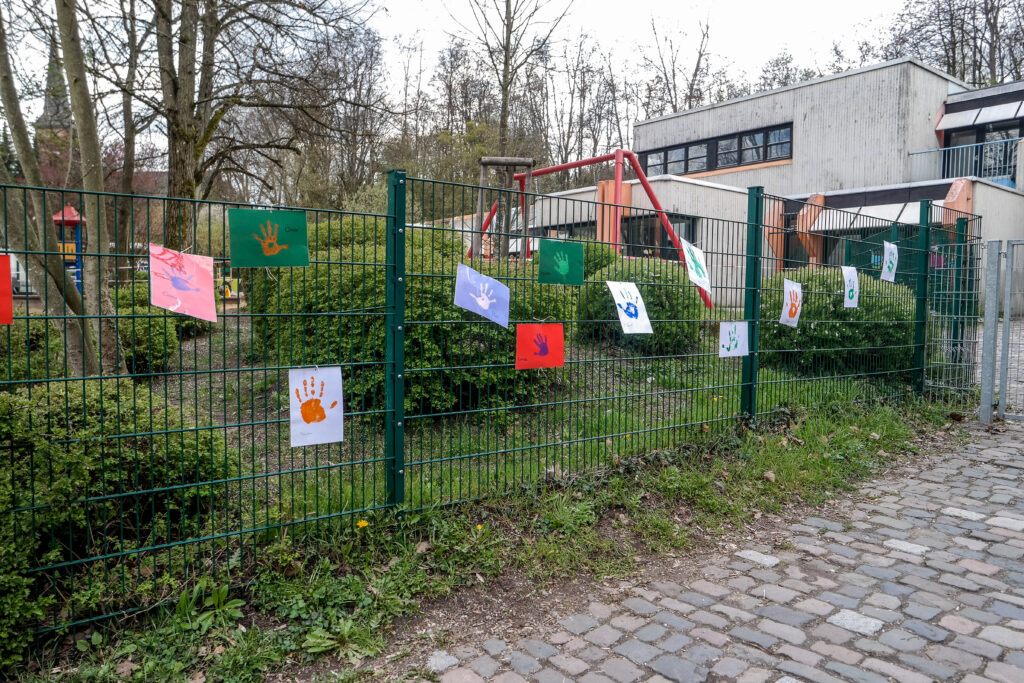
676,83
511,33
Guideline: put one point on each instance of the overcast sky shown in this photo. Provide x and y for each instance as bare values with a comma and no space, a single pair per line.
744,33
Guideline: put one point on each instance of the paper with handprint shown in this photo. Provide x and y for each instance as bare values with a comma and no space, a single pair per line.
540,345
316,406
890,261
792,303
851,287
182,283
481,294
733,340
630,307
268,238
696,266
561,263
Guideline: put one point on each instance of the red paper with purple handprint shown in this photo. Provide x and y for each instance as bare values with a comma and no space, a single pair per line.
182,283
539,345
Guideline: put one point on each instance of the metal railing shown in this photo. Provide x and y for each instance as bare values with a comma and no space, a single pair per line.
996,161
130,486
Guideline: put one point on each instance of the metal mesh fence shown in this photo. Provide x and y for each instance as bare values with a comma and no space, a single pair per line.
130,484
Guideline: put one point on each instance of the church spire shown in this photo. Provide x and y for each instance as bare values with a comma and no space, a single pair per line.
56,106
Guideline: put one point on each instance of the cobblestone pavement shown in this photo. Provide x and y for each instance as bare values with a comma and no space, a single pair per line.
922,579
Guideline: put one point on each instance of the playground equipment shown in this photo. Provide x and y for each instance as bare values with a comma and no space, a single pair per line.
68,223
619,156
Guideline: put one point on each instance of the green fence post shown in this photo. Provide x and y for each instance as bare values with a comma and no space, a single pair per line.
959,304
847,252
394,386
752,299
921,293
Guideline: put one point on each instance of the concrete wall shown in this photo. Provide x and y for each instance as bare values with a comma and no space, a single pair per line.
1002,218
851,130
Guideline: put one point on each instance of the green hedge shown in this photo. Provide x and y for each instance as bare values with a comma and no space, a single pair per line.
672,303
875,337
136,296
596,256
30,347
65,441
341,283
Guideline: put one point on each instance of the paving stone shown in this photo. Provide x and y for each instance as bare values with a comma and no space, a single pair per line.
730,667
926,630
675,642
604,636
930,667
708,588
696,600
906,547
537,648
650,633
600,610
783,631
852,621
961,660
839,600
461,675
1006,523
627,622
893,671
577,623
807,672
672,621
680,670
523,663
637,650
852,673
440,660
509,677
1003,636
774,593
551,676
484,665
982,648
1004,673
641,606
898,639
752,636
798,654
708,619
837,652
787,615
701,654
494,646
621,670
919,611
591,654
716,638
759,558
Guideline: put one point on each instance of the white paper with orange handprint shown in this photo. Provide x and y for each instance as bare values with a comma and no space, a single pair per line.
792,302
317,413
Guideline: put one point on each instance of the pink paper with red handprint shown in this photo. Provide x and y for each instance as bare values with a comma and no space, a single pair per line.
182,283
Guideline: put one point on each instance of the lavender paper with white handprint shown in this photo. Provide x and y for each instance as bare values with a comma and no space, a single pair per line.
482,295
630,307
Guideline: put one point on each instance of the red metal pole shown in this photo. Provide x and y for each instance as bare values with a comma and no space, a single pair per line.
617,211
642,177
565,167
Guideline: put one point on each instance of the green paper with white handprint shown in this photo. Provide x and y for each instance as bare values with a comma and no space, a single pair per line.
561,263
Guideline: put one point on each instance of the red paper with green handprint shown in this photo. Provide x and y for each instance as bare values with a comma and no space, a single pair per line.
539,345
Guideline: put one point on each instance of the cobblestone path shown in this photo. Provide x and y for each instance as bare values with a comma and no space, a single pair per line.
921,580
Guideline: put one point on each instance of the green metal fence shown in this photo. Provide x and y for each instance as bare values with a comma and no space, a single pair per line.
131,485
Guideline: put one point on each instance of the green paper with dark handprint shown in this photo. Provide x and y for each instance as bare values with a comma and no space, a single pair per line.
267,238
561,263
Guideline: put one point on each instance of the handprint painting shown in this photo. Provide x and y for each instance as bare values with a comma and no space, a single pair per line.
481,294
890,261
561,263
792,303
182,283
630,307
732,339
316,410
268,238
540,345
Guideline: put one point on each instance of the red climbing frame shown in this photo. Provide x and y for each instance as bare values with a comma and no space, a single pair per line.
618,156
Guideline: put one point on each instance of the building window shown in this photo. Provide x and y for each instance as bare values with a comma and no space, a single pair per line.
751,147
656,163
697,158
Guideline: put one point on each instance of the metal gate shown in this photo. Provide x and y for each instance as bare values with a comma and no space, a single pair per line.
1011,334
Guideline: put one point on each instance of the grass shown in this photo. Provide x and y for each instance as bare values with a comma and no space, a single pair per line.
334,590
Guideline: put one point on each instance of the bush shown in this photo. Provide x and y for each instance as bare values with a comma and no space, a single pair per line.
136,296
339,231
149,338
876,337
447,342
596,256
672,303
33,348
73,439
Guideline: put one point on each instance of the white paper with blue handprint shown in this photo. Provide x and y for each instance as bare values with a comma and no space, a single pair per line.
481,294
890,261
851,287
696,266
630,307
733,340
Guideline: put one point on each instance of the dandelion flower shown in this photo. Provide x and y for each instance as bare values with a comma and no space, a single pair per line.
362,523
479,527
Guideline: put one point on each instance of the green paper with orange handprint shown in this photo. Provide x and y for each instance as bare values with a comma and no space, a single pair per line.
267,238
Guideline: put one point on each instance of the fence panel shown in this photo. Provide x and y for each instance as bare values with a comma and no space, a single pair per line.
133,483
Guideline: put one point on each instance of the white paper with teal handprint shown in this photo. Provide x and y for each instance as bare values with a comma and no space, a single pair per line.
481,294
630,307
733,340
890,261
696,266
851,287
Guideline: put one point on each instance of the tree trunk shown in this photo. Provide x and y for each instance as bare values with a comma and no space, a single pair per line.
95,286
124,227
506,81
